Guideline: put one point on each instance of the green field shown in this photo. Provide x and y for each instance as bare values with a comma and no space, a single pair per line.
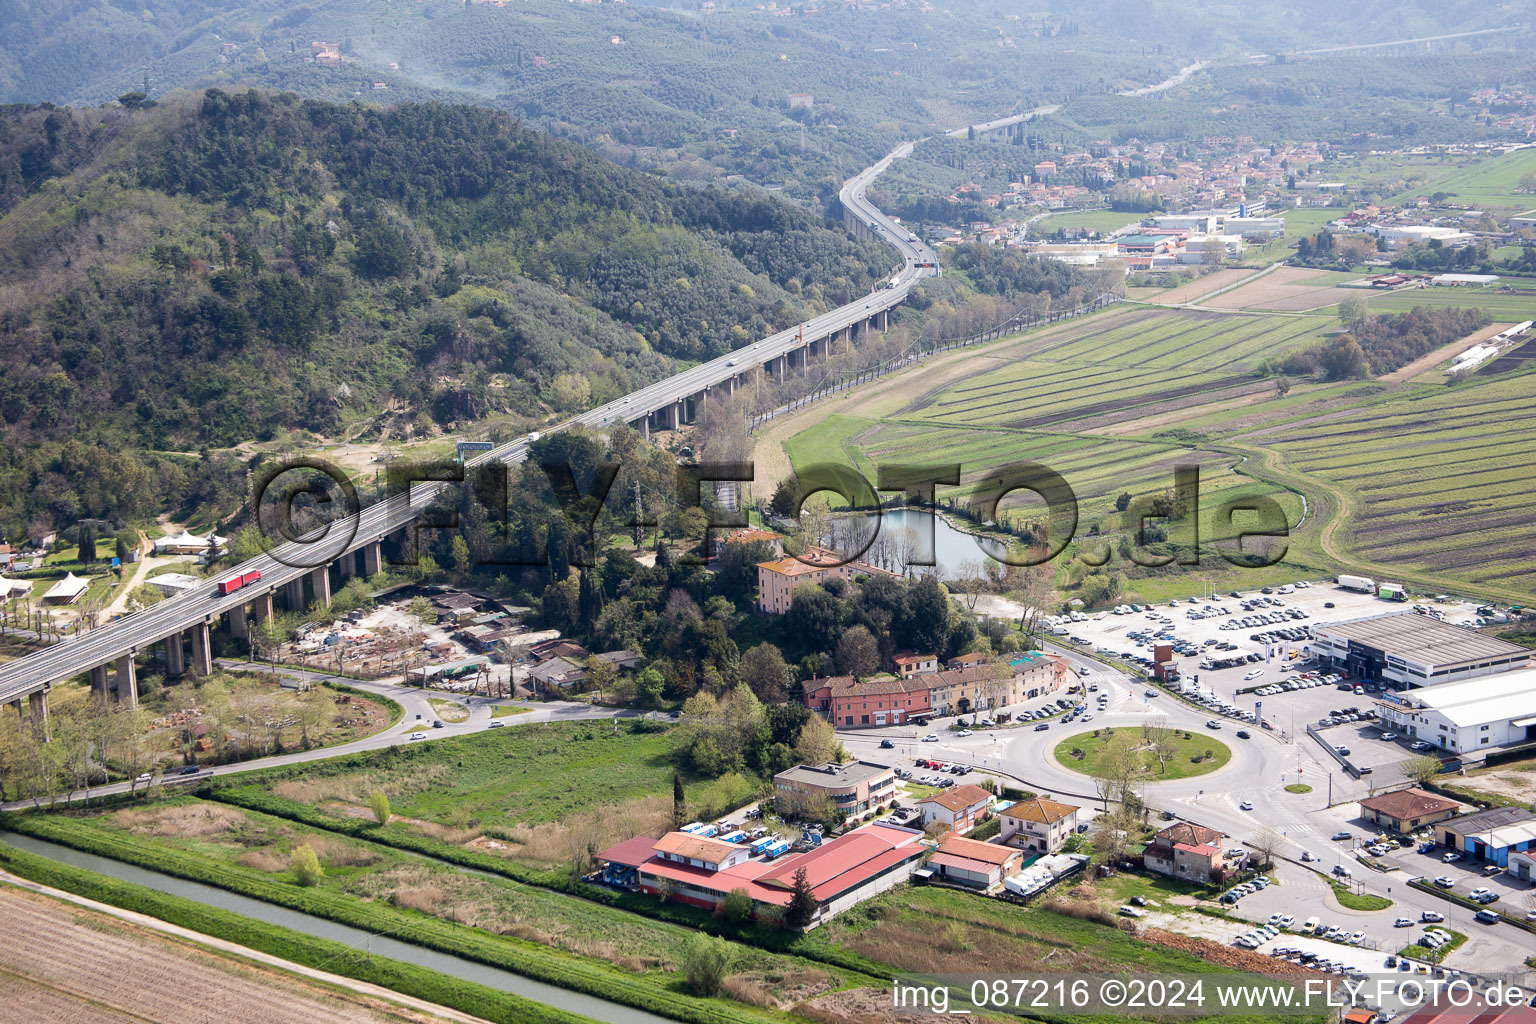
1485,182
1502,306
1418,483
576,943
1102,221
1177,765
511,787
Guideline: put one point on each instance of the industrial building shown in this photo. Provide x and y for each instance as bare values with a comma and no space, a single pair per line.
1406,650
1493,835
1463,718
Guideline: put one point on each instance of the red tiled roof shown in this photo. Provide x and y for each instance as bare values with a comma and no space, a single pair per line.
682,844
975,849
959,798
631,852
1041,809
950,860
1408,803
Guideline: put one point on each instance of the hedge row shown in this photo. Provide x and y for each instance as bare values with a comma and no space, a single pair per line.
296,947
520,956
775,940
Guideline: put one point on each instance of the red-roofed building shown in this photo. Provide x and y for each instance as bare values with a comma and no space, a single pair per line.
962,808
973,863
1183,850
777,580
841,873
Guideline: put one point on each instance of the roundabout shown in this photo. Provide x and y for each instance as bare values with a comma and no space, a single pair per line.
1165,753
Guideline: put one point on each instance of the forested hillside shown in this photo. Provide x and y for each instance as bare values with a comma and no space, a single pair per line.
224,267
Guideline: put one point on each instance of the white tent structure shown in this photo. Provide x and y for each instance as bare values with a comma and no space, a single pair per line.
13,588
67,591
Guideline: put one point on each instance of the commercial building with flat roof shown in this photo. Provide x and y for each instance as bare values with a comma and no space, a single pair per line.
854,788
1407,649
1477,714
1492,835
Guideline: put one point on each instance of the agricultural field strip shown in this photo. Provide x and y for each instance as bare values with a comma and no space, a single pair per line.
1430,456
1109,386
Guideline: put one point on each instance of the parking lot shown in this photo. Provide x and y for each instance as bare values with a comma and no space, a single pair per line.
1264,634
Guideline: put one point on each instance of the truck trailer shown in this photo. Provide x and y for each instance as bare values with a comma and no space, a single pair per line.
1363,584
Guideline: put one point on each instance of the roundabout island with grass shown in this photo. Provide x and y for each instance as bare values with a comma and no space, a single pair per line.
1165,753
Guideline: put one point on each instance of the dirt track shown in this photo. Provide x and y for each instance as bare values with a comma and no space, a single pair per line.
62,964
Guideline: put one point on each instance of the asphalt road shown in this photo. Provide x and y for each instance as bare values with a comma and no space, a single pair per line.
1258,772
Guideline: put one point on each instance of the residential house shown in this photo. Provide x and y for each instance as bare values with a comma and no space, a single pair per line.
883,700
777,579
554,678
7,558
1184,850
909,665
961,808
623,660
1038,824
1407,810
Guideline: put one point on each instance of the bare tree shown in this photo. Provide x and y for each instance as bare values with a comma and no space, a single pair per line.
1265,842
1421,769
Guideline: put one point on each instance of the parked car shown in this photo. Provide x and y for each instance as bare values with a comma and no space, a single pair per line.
1445,882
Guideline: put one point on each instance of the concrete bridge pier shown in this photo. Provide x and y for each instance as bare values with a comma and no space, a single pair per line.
37,704
373,558
293,594
320,579
237,624
99,683
127,680
175,655
202,650
261,608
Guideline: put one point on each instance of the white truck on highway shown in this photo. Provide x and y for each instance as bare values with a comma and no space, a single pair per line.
1364,584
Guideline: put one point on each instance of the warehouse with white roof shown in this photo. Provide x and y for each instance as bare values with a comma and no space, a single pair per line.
1465,717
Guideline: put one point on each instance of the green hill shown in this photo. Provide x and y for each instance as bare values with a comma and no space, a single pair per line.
224,267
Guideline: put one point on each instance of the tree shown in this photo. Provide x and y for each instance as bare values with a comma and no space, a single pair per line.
679,801
763,670
815,616
705,962
816,743
858,653
1353,309
785,497
1122,501
421,611
1265,843
737,906
648,687
306,866
802,902
87,545
378,802
1421,769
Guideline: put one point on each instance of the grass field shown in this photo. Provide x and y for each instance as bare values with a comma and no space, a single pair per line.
1178,764
548,935
1413,482
509,791
936,931
1483,183
1511,307
1102,221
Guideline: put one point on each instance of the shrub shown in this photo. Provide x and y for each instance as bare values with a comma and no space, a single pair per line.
306,866
706,960
378,801
737,905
